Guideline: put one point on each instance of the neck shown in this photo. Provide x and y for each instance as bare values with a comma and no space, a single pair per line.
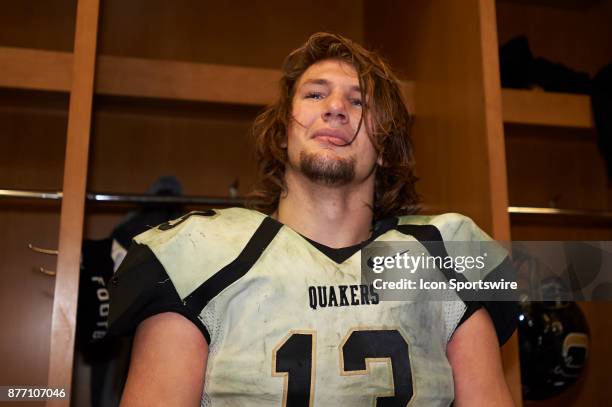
333,216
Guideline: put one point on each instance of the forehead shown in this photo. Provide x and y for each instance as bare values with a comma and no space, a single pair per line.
334,70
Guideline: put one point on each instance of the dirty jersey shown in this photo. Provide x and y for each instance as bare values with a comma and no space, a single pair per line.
287,320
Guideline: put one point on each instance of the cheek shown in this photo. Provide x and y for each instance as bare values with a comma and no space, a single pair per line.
355,115
293,144
355,118
304,115
367,149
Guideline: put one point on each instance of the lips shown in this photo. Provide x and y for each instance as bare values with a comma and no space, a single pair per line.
332,136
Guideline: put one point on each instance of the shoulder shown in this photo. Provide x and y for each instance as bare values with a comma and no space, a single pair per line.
199,225
169,262
198,244
457,237
450,226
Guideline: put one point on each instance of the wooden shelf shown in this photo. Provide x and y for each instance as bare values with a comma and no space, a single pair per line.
561,4
185,81
546,108
24,68
148,78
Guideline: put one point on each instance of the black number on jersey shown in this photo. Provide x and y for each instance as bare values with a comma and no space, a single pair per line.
294,358
363,345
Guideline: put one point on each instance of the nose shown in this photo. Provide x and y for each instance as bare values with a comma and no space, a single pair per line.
335,109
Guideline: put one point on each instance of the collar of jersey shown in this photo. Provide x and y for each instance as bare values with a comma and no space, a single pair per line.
341,254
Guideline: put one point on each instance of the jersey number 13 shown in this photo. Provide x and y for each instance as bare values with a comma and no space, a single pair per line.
294,359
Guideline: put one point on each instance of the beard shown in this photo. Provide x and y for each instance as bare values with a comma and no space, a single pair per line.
327,171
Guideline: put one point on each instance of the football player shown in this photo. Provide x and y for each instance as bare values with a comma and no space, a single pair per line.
266,307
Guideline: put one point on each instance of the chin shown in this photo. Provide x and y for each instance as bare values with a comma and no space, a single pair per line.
330,153
327,168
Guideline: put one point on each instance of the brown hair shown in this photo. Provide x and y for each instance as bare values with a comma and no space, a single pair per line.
389,129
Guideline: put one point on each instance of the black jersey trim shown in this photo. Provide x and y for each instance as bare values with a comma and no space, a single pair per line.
340,255
469,311
503,313
426,234
141,288
231,273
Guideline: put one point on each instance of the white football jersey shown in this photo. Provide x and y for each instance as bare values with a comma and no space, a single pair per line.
288,323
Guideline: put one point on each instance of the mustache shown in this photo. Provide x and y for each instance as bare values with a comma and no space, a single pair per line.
347,143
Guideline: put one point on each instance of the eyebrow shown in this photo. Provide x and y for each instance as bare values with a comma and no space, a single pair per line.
325,82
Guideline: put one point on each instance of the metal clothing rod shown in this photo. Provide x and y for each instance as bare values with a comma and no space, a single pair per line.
228,201
116,198
580,213
187,200
15,193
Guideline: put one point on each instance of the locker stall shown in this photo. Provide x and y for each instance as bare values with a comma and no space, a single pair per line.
108,96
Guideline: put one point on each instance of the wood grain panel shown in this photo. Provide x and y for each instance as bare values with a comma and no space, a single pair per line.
580,38
33,127
496,159
494,140
439,46
592,387
35,69
563,4
207,150
186,81
38,24
72,212
26,295
149,78
547,108
32,148
249,33
552,229
558,167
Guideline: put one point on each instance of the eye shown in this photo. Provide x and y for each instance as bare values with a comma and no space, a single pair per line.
356,102
314,95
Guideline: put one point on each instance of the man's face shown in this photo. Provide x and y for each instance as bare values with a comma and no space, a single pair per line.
323,142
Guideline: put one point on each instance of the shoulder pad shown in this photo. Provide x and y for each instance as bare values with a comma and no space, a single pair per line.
452,226
455,227
197,245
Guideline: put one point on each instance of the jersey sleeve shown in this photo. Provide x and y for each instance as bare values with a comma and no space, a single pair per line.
503,312
142,288
167,265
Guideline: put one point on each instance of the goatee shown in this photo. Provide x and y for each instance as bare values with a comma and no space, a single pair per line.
326,170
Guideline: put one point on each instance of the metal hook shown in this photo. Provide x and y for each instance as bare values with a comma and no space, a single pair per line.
43,251
47,272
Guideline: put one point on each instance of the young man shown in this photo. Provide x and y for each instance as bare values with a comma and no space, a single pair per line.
236,307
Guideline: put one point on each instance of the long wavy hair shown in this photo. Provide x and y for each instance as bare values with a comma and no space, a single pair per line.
389,127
